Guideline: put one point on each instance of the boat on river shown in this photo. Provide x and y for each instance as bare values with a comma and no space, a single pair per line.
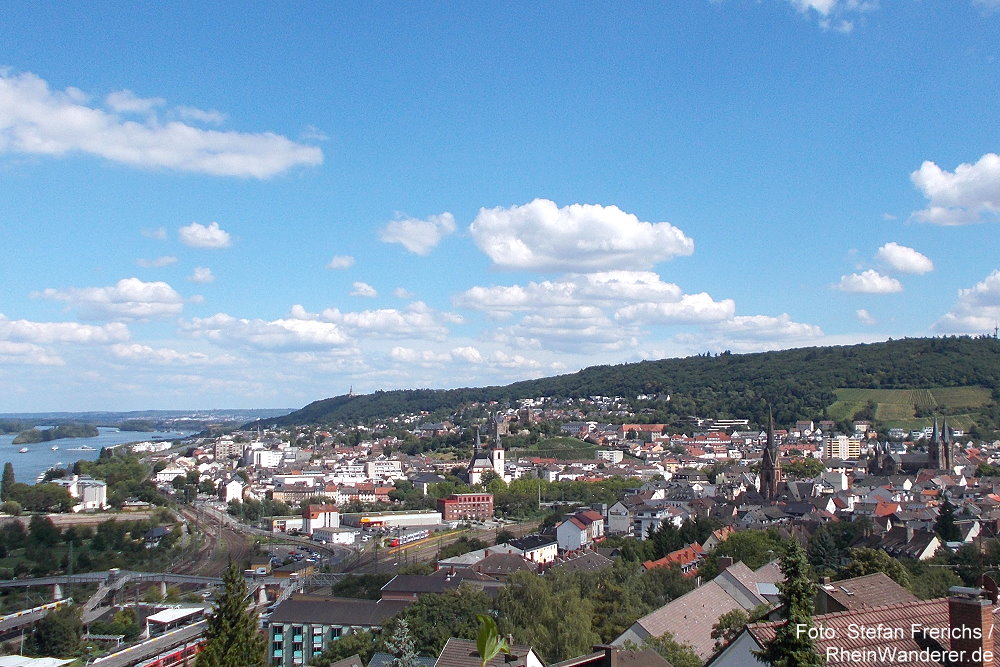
23,450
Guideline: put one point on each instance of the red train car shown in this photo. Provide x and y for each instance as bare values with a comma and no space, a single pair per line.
180,656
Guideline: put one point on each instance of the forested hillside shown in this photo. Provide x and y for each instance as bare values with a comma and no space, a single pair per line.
799,383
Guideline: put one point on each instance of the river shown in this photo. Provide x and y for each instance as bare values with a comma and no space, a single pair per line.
40,455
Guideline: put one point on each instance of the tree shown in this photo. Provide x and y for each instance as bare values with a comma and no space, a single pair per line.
791,647
728,626
7,481
362,644
945,525
231,635
42,532
676,653
400,645
869,561
58,633
822,549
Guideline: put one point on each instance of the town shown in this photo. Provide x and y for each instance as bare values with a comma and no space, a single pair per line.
366,542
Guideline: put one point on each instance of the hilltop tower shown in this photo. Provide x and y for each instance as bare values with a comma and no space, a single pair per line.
770,466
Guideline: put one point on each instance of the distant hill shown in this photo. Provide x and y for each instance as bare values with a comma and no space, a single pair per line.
800,384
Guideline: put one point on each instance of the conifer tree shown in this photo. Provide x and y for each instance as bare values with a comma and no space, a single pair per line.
231,635
8,480
791,647
400,645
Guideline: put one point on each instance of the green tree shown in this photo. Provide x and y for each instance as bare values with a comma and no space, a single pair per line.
869,561
231,635
435,617
362,644
945,525
822,550
400,645
42,532
805,468
489,643
728,626
58,633
7,481
674,652
790,647
754,547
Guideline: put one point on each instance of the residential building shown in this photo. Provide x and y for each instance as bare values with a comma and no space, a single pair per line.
583,528
301,627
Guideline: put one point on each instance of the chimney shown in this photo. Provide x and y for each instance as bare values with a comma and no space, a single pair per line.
909,532
725,562
970,617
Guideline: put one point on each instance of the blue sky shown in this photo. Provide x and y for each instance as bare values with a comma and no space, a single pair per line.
206,208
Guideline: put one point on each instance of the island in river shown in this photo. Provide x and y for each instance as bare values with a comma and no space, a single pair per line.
33,435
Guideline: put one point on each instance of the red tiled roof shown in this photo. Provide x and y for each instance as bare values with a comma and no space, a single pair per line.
888,634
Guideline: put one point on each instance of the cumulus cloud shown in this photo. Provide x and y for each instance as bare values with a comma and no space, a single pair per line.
868,282
128,299
363,289
903,259
865,317
212,117
402,293
690,309
134,352
27,354
274,335
581,237
197,235
26,331
202,275
419,236
159,233
765,327
340,262
166,260
967,195
37,120
977,309
416,321
604,288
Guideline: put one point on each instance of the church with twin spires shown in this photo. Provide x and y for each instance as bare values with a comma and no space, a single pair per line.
489,460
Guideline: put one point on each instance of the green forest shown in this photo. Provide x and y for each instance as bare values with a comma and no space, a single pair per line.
801,383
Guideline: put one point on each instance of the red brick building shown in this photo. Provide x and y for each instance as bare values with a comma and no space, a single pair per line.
460,506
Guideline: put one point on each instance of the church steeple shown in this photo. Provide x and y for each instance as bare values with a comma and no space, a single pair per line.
770,466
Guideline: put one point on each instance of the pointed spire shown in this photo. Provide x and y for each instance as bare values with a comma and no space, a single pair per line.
479,443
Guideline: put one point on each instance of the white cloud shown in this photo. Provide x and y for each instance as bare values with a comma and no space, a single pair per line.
202,275
868,282
340,262
166,260
837,15
26,331
467,354
608,288
197,235
419,236
581,237
417,321
128,299
765,327
977,309
691,309
422,357
363,289
159,233
402,293
27,354
126,101
275,335
39,121
211,117
135,352
865,317
969,194
903,259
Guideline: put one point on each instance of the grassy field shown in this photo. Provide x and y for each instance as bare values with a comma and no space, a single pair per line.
897,407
